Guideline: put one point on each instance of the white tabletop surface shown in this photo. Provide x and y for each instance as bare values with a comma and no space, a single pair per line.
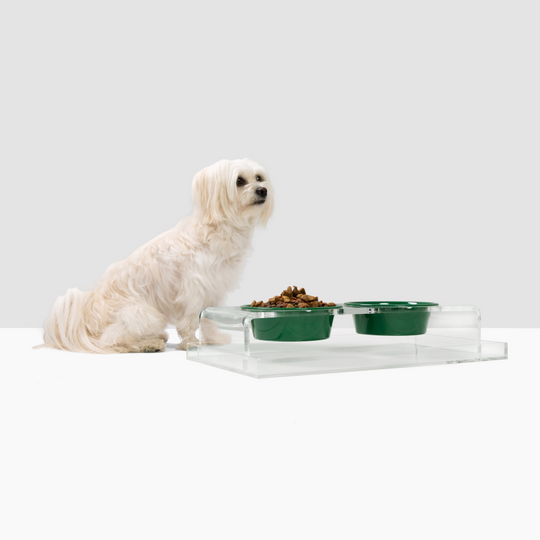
155,446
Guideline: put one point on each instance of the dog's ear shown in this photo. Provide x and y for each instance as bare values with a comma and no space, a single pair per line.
268,206
206,196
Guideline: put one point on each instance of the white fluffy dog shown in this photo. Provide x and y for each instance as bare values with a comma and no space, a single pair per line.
174,276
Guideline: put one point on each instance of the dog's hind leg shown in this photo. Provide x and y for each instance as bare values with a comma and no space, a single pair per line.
150,345
137,328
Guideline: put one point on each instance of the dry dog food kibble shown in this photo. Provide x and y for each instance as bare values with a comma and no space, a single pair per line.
292,297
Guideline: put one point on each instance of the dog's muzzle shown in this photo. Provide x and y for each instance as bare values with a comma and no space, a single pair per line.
261,192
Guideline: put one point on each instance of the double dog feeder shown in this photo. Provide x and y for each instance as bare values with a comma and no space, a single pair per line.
354,336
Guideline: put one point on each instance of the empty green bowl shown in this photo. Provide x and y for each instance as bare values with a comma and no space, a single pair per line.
293,324
392,318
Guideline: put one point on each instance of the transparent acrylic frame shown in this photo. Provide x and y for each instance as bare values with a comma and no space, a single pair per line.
225,340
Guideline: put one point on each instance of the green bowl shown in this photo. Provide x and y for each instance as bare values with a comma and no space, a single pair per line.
392,318
293,324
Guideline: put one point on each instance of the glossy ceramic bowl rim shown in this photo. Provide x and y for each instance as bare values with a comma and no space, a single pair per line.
247,307
391,304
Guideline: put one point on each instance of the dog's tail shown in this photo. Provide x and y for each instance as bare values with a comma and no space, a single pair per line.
69,324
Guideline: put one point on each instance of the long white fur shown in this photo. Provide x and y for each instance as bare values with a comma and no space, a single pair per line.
170,279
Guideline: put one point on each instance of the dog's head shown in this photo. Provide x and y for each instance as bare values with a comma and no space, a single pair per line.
237,191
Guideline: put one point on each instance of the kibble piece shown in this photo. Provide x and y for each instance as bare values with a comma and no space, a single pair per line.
292,297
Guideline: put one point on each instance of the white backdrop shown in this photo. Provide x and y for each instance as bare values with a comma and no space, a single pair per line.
401,137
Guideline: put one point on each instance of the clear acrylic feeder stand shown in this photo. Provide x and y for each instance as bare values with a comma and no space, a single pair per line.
452,336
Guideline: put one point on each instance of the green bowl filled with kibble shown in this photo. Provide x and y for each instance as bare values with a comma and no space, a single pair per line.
292,316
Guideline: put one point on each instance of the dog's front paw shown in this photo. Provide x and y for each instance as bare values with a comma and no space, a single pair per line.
186,344
216,338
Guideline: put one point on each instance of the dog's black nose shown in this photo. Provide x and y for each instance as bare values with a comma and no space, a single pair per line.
262,191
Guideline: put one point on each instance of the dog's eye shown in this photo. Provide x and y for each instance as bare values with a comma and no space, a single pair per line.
240,181
258,178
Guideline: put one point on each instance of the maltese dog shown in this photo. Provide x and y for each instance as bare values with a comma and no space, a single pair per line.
172,278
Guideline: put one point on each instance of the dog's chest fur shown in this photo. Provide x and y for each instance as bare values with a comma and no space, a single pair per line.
204,265
221,262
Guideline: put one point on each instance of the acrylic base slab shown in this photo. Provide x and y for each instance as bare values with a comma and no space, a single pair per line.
453,336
